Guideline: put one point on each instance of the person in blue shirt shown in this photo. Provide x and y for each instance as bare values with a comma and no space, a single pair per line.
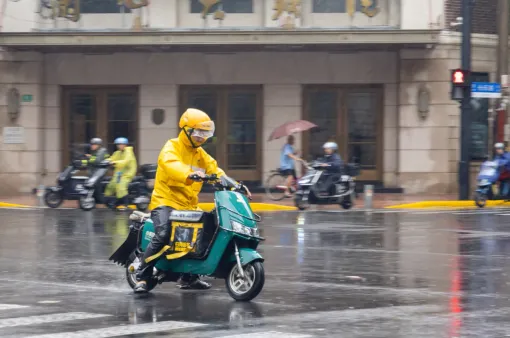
287,163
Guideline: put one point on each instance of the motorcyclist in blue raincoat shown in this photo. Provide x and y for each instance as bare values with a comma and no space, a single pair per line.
503,158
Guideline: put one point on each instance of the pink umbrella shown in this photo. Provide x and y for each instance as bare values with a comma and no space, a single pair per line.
291,128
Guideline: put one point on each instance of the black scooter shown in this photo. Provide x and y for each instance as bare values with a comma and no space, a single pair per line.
341,186
68,187
139,192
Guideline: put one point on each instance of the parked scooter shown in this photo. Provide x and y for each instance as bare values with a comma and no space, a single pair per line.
220,244
139,193
488,176
68,187
342,185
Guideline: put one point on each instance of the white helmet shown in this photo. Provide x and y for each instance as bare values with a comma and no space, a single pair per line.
499,145
330,145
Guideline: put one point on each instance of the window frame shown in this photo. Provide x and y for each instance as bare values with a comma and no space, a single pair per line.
222,92
101,94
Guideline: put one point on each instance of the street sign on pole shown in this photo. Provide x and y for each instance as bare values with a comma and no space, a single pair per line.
489,90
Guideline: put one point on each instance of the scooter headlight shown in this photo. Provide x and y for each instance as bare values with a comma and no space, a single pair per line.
244,230
484,182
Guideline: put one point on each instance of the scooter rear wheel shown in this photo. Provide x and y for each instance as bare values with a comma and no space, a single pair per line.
131,267
246,289
53,199
86,203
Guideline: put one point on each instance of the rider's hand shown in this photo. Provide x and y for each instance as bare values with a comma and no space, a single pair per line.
87,155
200,174
324,165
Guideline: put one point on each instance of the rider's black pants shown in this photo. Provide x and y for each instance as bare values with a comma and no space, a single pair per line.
162,228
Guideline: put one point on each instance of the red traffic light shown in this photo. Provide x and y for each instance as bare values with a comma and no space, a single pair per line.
458,77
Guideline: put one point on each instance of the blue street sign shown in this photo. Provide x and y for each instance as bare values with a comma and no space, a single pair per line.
490,90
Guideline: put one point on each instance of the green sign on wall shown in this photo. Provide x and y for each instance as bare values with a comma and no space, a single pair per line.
27,98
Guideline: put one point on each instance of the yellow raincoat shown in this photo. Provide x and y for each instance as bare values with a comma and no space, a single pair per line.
176,161
125,170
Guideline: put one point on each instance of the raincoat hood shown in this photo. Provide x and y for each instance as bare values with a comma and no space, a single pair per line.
183,138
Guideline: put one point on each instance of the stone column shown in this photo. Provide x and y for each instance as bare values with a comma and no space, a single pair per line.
20,163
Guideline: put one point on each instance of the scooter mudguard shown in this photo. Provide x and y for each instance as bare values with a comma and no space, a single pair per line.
121,255
53,189
247,256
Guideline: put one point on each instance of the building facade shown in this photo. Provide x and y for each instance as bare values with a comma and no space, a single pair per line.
373,75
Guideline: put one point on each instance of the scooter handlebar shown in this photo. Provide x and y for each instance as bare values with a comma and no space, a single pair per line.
206,178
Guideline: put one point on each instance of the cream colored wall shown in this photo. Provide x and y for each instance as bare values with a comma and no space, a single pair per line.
429,149
426,155
19,163
423,14
281,74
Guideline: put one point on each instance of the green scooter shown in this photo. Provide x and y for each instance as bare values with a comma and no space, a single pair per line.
220,244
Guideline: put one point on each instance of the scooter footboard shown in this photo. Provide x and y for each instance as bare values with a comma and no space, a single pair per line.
247,256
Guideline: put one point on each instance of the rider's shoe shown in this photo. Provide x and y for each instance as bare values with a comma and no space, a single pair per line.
193,283
121,208
141,287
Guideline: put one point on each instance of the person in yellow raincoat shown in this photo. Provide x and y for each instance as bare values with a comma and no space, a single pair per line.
180,158
124,161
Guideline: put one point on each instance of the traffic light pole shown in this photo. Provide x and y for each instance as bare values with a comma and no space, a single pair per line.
465,112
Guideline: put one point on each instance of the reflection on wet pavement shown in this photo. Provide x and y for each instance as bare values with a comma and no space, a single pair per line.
345,274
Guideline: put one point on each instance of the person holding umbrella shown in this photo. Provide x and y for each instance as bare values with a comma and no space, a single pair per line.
287,164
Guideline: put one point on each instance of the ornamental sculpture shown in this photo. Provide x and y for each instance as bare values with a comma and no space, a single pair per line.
209,5
368,7
290,9
52,9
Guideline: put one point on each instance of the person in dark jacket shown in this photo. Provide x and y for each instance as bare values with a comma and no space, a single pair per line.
332,161
332,166
97,155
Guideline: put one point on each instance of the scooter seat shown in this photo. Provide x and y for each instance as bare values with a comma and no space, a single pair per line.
139,216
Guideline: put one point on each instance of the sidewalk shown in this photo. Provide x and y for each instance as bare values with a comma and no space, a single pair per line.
380,200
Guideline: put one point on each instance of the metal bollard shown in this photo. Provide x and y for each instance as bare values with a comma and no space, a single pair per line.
368,193
40,194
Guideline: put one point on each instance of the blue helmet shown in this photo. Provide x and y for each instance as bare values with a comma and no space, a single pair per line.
121,140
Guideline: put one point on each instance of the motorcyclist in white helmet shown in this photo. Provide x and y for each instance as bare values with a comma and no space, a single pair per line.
332,164
332,161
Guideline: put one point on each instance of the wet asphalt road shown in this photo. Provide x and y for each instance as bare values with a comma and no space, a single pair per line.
328,274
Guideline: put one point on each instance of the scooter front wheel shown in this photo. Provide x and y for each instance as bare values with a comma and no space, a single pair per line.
245,288
300,204
87,203
480,199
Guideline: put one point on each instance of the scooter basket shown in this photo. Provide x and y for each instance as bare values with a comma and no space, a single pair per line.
187,238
